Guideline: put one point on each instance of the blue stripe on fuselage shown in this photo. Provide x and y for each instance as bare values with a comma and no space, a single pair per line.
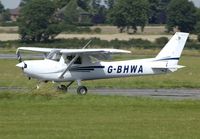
174,58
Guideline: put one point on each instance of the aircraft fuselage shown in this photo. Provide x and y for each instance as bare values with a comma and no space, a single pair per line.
50,70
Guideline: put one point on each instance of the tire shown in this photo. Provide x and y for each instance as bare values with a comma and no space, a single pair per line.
81,90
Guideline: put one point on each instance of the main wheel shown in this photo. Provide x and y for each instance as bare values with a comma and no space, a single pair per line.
82,90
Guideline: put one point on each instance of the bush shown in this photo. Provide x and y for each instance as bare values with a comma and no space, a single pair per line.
96,43
84,24
8,24
197,27
162,40
198,37
97,30
74,29
84,30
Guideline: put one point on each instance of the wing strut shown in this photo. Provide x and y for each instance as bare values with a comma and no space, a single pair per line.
69,66
73,60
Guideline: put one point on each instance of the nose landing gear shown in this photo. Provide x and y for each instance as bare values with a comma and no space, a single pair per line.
65,87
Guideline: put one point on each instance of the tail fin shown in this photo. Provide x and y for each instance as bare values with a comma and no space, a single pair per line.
172,50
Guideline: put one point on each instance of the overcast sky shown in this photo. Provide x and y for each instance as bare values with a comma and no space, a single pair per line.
196,2
10,3
14,3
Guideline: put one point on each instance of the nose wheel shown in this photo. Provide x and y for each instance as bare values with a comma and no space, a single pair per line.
65,88
81,90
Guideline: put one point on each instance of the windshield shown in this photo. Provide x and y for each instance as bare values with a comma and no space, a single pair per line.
54,55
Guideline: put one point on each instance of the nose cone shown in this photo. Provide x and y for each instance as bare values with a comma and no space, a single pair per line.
21,65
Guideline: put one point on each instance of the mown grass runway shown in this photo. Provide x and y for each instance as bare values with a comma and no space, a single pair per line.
61,116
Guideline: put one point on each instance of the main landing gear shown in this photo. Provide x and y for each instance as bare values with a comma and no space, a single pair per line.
81,90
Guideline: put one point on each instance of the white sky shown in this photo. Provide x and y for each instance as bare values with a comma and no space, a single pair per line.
197,3
14,3
11,4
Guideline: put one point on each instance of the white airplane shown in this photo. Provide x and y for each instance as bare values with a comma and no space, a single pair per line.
69,65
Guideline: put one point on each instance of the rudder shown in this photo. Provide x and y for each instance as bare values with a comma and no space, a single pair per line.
173,49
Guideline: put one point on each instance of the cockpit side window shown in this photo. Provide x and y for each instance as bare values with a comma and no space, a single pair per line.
70,57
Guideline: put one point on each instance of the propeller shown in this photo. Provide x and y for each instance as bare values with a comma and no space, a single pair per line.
21,64
19,56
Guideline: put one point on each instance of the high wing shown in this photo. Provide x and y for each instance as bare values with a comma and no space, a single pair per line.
46,51
73,51
100,54
36,49
92,51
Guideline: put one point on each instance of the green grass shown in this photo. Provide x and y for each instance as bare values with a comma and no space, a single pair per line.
187,77
58,116
47,113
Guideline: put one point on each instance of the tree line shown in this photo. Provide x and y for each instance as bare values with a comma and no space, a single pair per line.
4,13
42,20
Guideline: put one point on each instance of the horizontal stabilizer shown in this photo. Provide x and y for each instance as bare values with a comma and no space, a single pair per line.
159,65
171,68
180,66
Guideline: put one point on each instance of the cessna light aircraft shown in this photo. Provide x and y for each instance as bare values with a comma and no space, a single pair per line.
69,65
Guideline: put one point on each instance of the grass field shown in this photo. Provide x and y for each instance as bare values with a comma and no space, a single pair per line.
104,29
47,113
58,116
108,37
108,33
